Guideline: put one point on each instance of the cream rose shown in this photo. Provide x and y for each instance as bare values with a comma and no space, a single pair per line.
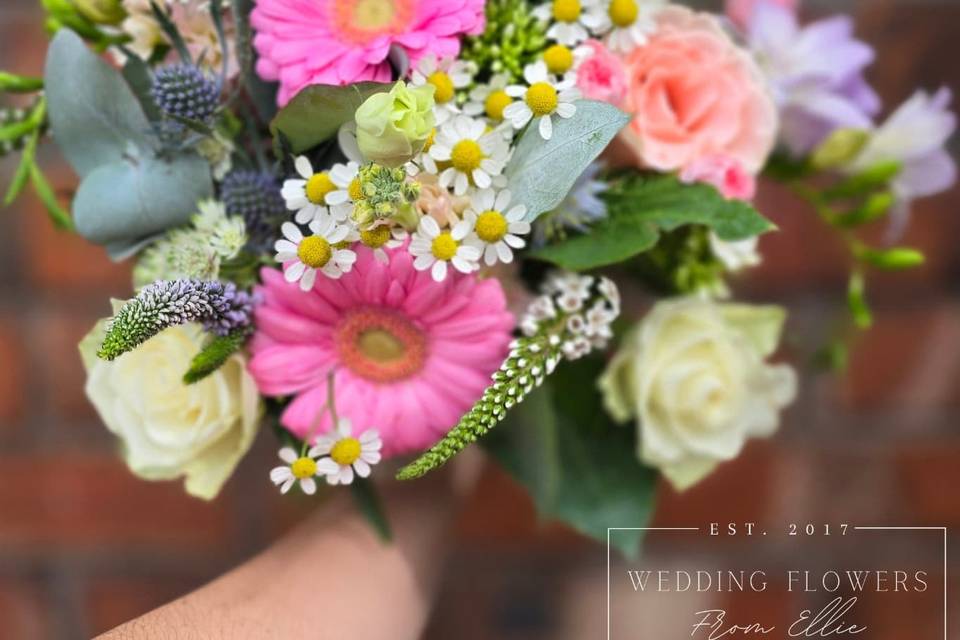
693,93
170,429
693,374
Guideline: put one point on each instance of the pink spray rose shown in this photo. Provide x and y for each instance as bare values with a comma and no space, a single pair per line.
741,11
601,75
693,93
724,173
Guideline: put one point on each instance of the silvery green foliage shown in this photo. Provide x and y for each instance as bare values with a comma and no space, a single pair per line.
129,191
572,318
542,172
220,307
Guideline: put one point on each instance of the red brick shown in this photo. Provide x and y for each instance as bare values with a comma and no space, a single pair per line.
12,367
111,601
77,501
910,358
59,330
63,262
24,610
927,474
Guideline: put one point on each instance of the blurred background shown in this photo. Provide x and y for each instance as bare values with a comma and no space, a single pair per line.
85,546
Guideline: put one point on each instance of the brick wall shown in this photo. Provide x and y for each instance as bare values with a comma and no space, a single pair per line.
84,545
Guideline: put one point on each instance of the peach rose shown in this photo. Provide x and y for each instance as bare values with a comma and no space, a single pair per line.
694,93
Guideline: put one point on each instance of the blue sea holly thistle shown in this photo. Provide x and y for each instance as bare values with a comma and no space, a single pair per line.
570,319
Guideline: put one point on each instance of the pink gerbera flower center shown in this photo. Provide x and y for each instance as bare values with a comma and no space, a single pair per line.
380,345
361,21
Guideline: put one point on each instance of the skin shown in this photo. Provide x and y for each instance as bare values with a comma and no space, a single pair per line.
331,577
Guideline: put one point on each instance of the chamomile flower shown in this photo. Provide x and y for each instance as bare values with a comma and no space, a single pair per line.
433,249
345,178
349,455
307,195
475,156
542,98
568,19
489,99
379,238
561,59
446,76
496,225
626,23
298,468
303,255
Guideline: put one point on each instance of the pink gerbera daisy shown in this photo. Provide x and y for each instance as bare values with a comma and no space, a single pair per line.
303,42
410,355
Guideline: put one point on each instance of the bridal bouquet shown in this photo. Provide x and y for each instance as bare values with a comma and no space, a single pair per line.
388,229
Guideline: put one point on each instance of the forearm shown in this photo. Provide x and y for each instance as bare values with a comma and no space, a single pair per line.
332,577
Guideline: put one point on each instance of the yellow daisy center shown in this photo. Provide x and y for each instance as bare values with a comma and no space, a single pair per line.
304,468
466,156
314,251
623,13
541,97
355,190
566,10
559,58
318,186
491,226
444,87
495,103
346,451
376,237
444,247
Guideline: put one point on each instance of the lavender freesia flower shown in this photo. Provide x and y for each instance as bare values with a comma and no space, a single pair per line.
815,72
913,136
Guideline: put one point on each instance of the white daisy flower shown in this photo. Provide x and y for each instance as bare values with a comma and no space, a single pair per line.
349,455
305,255
543,98
433,248
446,76
561,59
297,468
345,178
567,16
627,24
497,226
489,99
307,195
379,239
475,156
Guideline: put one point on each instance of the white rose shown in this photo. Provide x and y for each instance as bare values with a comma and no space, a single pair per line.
693,374
170,429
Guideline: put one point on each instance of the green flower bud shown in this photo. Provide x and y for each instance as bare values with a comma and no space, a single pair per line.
393,126
101,11
839,149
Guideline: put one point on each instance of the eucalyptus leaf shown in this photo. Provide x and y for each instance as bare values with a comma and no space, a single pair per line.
578,466
317,112
137,74
121,203
541,173
639,207
93,114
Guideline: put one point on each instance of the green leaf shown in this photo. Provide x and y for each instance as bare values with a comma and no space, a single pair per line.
639,208
19,84
137,74
213,355
61,219
94,115
857,301
579,467
317,112
371,507
22,174
541,173
122,203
